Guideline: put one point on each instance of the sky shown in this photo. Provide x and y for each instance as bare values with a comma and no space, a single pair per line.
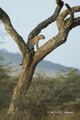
26,14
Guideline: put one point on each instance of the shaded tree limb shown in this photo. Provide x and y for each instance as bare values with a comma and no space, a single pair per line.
12,32
76,22
46,22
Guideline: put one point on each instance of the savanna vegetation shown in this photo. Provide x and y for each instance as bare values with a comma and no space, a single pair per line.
47,99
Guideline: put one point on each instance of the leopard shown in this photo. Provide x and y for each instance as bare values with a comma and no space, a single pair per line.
34,41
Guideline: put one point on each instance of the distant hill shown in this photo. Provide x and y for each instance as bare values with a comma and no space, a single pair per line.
46,67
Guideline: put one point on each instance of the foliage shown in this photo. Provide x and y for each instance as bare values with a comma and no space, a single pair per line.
6,85
54,94
45,95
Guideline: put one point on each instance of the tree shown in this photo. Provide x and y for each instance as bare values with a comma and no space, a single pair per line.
30,60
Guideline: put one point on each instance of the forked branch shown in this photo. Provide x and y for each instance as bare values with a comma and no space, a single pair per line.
64,27
61,22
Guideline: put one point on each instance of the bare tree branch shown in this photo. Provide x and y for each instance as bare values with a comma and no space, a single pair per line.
64,27
63,24
12,32
69,23
76,22
46,22
60,20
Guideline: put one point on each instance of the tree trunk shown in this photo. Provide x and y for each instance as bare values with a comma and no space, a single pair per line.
21,88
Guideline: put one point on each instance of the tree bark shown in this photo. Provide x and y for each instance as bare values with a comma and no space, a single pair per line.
31,60
22,87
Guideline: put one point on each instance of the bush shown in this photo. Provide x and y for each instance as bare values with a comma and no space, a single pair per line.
45,94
